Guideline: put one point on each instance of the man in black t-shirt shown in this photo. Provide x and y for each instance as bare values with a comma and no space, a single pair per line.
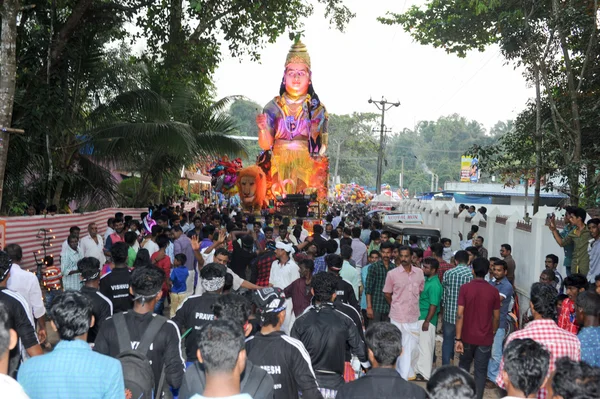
283,357
384,341
115,285
165,350
102,308
242,255
196,310
20,318
344,291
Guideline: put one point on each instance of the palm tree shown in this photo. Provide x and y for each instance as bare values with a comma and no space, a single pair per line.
138,131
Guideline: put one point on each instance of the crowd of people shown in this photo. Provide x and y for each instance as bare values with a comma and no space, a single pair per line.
213,303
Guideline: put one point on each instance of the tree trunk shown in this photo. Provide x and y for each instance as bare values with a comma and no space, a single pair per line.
58,192
175,33
575,118
538,139
591,188
141,196
8,73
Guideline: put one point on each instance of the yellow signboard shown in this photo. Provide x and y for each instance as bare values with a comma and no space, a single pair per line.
469,169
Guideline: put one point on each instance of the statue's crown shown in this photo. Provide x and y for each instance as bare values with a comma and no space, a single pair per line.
298,55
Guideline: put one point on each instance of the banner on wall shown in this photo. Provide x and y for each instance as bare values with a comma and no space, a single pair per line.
469,169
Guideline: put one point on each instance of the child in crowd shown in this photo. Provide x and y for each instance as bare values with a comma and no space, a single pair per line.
179,275
447,256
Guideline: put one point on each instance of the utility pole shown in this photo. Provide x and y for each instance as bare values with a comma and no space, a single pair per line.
402,175
383,106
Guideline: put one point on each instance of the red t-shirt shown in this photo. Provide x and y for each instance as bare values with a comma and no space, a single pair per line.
165,264
566,318
479,299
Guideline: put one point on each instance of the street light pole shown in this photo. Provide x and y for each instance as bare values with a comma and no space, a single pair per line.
382,105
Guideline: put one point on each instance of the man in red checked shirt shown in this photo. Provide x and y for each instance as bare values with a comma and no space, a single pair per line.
575,283
544,330
262,265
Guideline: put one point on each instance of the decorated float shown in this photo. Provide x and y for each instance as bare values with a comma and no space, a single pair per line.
292,171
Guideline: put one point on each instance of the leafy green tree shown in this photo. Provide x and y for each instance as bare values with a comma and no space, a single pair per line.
557,42
351,147
433,147
56,72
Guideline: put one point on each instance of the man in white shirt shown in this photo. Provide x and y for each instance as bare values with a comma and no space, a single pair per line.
93,245
336,220
27,284
284,271
149,243
464,244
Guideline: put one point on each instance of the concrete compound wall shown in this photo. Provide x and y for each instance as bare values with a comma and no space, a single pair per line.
530,242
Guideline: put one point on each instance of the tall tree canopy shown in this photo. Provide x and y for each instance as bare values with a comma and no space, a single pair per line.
557,43
60,67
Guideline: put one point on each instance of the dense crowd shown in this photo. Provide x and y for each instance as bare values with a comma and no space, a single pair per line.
213,303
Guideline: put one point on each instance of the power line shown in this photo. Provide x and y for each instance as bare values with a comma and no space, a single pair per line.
432,150
467,82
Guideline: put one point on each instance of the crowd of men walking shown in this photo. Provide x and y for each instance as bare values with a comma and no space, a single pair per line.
216,304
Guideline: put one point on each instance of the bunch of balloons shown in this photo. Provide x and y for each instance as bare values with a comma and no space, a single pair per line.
224,175
352,192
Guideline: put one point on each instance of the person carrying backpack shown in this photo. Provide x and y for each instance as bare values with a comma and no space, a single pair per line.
148,345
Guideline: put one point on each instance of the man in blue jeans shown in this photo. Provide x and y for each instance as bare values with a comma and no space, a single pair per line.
479,313
505,288
452,281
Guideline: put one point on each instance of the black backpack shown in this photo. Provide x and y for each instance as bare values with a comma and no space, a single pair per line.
137,371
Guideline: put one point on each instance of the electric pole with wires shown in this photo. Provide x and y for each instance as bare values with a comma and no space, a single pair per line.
383,106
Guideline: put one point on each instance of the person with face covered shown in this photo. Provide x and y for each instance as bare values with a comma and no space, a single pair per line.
196,310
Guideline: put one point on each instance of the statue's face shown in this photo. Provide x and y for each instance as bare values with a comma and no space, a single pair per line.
297,79
248,189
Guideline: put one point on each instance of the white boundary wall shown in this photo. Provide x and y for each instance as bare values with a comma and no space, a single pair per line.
530,242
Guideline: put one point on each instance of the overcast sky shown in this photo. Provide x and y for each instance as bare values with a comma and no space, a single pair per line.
372,60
